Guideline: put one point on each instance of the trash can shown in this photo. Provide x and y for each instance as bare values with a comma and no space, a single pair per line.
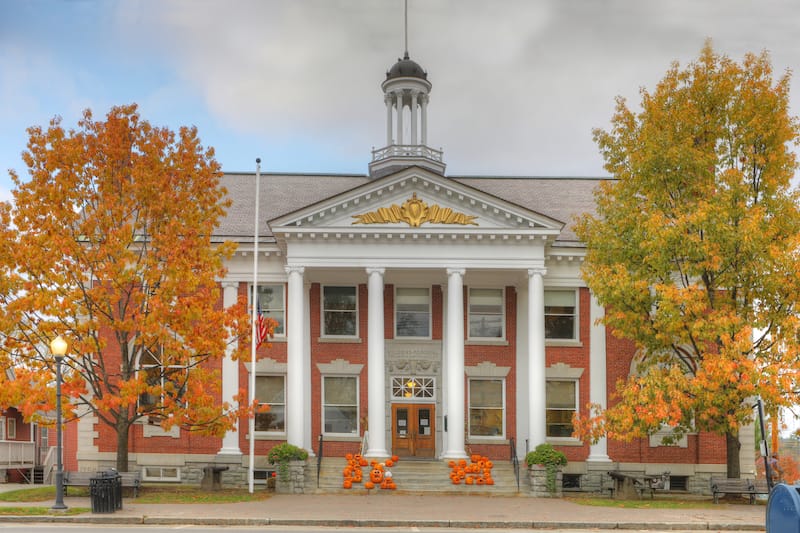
113,477
101,492
783,509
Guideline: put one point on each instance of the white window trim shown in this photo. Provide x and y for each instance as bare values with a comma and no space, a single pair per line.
413,399
2,428
146,477
502,336
576,326
572,379
358,406
486,438
283,292
273,434
11,428
140,367
324,334
666,431
430,315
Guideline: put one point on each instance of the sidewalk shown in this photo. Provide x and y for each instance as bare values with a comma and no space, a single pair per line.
381,509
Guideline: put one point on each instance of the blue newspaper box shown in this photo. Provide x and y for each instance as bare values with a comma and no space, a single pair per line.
783,509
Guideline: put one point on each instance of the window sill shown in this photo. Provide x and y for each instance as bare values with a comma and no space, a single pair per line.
564,441
263,435
339,340
569,343
486,342
488,440
340,438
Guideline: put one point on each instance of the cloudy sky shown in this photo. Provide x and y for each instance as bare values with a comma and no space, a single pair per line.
518,85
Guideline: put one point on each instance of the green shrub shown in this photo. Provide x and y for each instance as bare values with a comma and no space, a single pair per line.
546,455
551,459
281,454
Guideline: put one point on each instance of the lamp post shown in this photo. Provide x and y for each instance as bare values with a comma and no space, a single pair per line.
58,347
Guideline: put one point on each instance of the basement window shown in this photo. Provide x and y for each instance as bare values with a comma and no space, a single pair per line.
161,473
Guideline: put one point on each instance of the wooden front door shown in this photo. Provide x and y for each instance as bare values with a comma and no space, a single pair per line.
413,430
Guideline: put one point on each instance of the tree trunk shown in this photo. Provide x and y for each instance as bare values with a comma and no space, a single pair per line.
122,444
732,447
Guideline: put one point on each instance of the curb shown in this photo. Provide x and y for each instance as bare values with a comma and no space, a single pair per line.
356,523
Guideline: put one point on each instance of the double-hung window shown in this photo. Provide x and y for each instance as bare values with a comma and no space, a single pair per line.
271,392
167,382
412,312
560,316
486,407
272,304
339,311
562,402
486,314
340,405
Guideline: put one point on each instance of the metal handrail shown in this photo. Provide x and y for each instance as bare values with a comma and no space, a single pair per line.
514,459
364,443
319,458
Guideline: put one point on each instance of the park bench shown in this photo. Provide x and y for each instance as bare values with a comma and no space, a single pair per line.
743,486
625,484
130,480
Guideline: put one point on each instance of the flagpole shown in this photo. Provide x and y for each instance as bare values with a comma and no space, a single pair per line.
253,341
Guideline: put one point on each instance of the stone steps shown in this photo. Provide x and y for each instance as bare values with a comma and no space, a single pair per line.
417,476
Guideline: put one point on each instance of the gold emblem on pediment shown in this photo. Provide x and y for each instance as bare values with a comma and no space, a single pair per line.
415,212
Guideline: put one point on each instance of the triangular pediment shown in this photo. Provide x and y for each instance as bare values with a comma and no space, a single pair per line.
418,201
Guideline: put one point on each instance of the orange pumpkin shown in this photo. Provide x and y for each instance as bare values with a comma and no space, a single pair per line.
369,485
347,484
389,462
469,480
376,474
489,481
395,458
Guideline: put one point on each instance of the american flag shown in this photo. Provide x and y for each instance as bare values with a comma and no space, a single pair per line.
262,327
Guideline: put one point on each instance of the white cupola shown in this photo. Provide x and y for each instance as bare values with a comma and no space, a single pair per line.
406,87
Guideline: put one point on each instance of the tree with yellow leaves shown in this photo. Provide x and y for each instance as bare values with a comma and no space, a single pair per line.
108,244
694,250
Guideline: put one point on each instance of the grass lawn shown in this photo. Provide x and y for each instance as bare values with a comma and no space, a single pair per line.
147,494
189,494
670,503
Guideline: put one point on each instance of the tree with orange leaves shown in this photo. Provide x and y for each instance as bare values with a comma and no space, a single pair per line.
693,251
108,243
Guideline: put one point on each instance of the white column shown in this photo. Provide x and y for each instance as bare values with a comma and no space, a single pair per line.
597,373
388,100
310,443
376,366
424,120
230,376
536,359
399,100
295,374
455,365
414,110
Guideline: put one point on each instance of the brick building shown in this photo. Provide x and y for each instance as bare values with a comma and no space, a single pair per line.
420,314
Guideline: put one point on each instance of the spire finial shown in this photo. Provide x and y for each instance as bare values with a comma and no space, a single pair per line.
406,29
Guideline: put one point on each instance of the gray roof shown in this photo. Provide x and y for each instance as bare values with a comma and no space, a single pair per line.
558,198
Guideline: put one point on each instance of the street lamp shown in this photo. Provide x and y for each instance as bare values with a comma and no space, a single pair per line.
58,347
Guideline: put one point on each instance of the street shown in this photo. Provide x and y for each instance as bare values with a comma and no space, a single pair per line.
60,528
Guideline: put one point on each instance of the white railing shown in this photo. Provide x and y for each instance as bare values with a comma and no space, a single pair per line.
17,454
48,466
407,150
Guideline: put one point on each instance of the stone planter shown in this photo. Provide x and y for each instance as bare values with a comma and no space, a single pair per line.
541,486
293,480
